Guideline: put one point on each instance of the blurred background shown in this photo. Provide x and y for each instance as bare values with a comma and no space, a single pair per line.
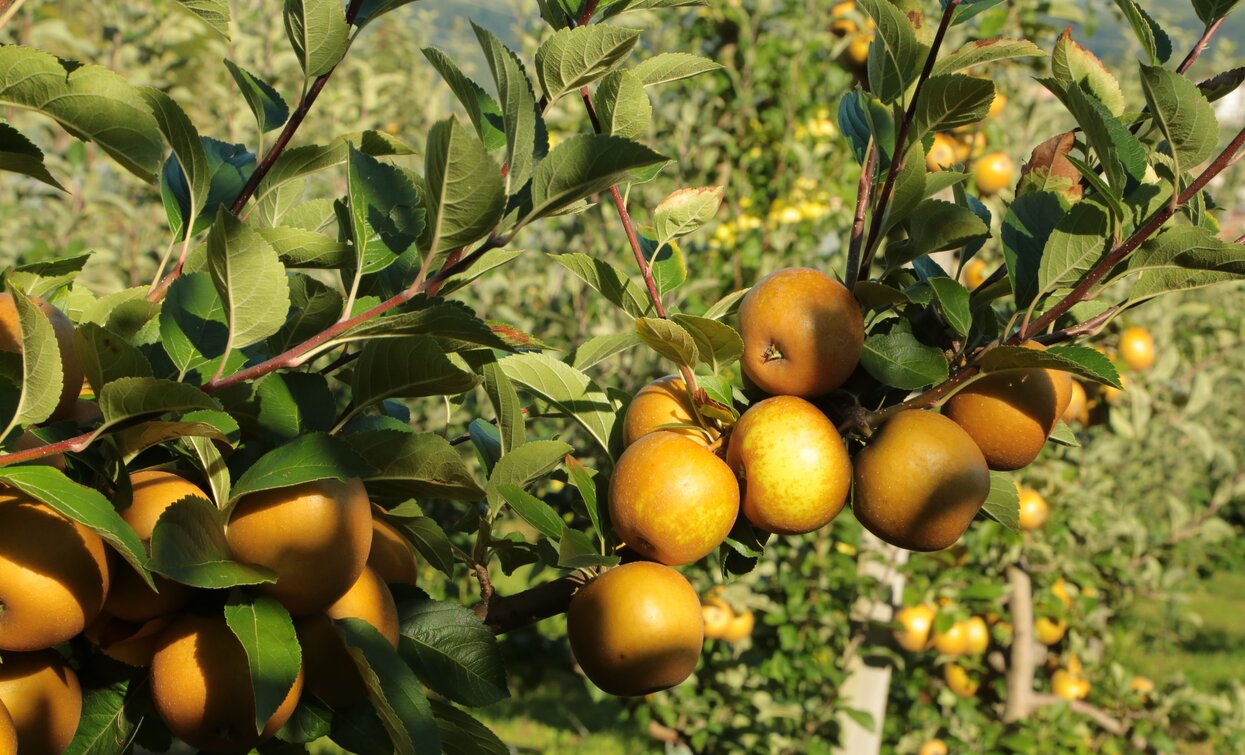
1141,562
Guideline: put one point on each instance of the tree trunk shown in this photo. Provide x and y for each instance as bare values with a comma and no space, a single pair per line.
1020,675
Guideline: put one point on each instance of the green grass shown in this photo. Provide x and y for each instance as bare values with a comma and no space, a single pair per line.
1201,637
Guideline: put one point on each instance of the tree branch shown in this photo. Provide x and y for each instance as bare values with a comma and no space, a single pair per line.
1100,717
884,198
864,189
505,613
1200,46
1020,672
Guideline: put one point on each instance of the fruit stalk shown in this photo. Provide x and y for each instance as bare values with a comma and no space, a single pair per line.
884,198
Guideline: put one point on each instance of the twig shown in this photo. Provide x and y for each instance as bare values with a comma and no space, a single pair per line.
884,198
1200,46
590,8
864,189
505,613
1100,717
1088,328
10,12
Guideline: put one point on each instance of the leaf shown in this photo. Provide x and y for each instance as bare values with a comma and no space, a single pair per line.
1181,258
936,226
951,100
134,440
909,187
385,212
668,339
511,423
106,356
393,689
318,33
293,404
91,102
717,344
452,652
430,541
266,632
953,300
567,388
297,248
249,279
622,106
606,280
524,465
1222,84
1118,149
863,117
103,727
533,511
576,551
1074,66
624,6
227,169
1210,11
599,348
188,545
308,458
1027,227
1079,360
981,51
482,109
84,505
466,195
192,159
463,735
265,102
1003,502
406,368
582,166
422,464
1050,169
42,375
1182,114
672,66
897,359
685,211
1153,39
895,55
298,162
131,397
1076,243
214,13
19,155
519,112
370,10
574,58
193,328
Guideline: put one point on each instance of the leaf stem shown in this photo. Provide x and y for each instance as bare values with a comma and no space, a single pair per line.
884,198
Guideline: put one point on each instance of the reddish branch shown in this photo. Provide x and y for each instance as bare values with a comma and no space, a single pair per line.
1199,46
505,613
868,171
884,198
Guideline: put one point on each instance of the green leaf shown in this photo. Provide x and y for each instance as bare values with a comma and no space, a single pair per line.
1027,227
511,423
622,106
1064,435
981,51
519,112
953,301
1074,66
134,440
103,727
1181,258
91,102
422,464
249,279
1210,11
672,66
292,404
524,465
188,545
393,689
582,166
106,356
685,211
453,324
463,735
227,169
193,327
298,162
370,10
899,360
533,510
386,213
577,551
608,281
42,376
308,458
266,632
668,339
427,537
84,505
214,13
1118,149
318,33
452,652
19,155
1079,360
574,58
406,368
950,100
1003,502
599,348
624,6
265,102
895,55
481,108
131,397
1182,114
1152,37
466,194
567,388
909,187
717,344
298,248
192,159
936,226
1077,242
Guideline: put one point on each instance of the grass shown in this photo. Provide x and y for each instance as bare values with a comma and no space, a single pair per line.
1200,637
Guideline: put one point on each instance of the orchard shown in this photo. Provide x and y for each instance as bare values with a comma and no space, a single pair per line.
384,376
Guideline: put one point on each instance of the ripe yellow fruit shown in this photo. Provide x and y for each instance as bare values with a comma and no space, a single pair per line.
671,499
1033,509
1048,630
1137,348
920,481
201,687
941,153
130,598
975,273
954,641
740,627
993,173
1141,685
1110,393
917,622
1078,405
332,675
71,365
858,50
8,732
976,636
997,104
315,536
53,574
392,557
794,466
933,747
717,615
802,331
1061,590
971,146
636,629
661,402
124,641
44,701
959,681
1069,686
